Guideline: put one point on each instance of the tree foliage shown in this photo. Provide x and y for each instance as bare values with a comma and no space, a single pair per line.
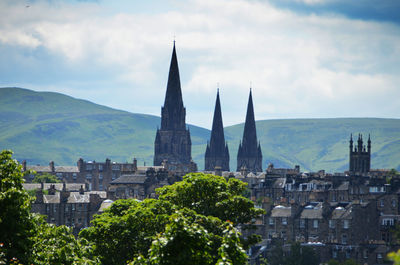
17,224
207,194
45,178
193,222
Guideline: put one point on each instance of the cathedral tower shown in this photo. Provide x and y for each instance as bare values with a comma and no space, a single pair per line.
172,141
249,153
217,153
360,157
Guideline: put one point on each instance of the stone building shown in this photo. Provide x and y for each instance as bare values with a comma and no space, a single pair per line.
249,154
217,153
140,185
62,172
360,157
172,143
66,207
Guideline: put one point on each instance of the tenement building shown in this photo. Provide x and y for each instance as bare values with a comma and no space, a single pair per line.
249,155
172,145
217,153
342,216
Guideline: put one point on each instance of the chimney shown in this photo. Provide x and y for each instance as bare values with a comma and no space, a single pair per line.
134,164
52,189
24,165
52,168
81,190
64,194
218,170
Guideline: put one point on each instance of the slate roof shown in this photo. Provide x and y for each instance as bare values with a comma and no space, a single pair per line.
281,211
342,213
57,169
130,179
312,212
279,183
74,197
104,205
57,186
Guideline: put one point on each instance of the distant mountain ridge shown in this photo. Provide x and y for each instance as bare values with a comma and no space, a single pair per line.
44,126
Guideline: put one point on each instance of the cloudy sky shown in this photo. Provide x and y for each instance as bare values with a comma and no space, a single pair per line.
303,58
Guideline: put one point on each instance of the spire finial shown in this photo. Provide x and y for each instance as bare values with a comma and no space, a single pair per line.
217,87
250,86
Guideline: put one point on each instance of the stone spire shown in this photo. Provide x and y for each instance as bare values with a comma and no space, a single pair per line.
173,112
217,153
249,153
172,142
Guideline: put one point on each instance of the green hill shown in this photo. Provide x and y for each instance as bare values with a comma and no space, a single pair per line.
44,126
316,144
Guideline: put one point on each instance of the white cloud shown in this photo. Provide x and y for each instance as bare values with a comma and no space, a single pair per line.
300,66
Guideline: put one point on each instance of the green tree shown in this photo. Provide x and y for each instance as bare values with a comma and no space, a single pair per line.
207,194
395,257
57,245
45,178
17,224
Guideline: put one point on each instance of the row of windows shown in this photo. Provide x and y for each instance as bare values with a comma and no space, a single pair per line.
315,223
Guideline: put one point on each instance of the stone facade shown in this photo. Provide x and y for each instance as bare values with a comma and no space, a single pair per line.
66,207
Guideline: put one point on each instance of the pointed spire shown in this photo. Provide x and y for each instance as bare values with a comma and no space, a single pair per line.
249,152
174,93
217,155
173,112
249,133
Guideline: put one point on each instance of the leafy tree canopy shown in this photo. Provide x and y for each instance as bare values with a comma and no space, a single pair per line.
207,194
45,178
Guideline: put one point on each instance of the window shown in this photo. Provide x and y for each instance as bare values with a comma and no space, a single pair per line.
302,223
365,253
54,208
100,186
382,203
114,175
100,176
388,222
115,167
334,254
332,224
100,167
73,207
271,221
284,220
315,223
393,203
344,239
346,224
88,176
74,176
89,167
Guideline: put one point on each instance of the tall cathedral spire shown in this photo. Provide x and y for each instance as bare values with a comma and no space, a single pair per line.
249,153
217,153
172,143
173,112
